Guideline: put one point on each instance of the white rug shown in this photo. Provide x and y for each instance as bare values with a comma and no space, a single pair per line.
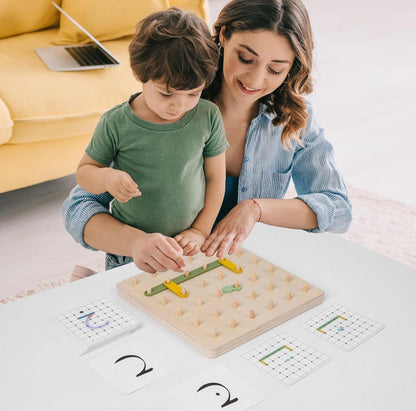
380,224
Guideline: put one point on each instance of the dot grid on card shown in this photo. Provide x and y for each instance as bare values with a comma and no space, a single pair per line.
97,321
286,358
342,327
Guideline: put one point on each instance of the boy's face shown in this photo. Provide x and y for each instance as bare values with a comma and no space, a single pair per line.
167,106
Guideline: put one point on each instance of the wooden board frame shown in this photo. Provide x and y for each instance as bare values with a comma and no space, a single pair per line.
214,322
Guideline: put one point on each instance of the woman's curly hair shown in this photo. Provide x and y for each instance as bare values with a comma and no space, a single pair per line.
287,18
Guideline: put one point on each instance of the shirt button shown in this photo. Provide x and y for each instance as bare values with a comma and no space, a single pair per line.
244,189
246,159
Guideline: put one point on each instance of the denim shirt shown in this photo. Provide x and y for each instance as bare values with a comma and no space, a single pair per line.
266,172
268,167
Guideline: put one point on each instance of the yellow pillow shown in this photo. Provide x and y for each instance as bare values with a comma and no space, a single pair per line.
104,19
23,16
199,7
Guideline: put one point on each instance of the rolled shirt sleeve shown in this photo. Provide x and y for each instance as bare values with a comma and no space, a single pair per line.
79,207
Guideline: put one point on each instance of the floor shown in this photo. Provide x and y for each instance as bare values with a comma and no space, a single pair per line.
365,85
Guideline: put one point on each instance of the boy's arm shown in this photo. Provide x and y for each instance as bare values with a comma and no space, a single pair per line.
214,168
192,239
97,178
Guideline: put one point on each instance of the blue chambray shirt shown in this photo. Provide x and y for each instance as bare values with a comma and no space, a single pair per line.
266,173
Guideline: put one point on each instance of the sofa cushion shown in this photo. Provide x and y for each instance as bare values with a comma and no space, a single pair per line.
6,123
24,16
69,103
199,7
104,19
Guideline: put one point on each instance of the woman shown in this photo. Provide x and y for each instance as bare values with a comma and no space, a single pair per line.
265,69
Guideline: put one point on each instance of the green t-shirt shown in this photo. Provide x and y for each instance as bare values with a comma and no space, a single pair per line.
165,161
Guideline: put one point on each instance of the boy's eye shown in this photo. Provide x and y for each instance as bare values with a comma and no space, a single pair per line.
166,95
243,60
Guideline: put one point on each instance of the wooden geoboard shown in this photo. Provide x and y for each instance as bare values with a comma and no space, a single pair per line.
218,305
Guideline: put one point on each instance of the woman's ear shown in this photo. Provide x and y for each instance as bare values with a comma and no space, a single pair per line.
221,36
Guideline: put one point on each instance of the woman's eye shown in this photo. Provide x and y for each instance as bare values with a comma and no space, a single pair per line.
274,72
243,60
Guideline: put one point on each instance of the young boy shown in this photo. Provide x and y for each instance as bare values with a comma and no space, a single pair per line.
164,140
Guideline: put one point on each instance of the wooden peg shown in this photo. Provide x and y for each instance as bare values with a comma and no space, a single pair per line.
271,286
252,314
186,274
149,291
220,275
288,278
134,281
196,322
199,302
237,267
236,284
218,293
270,269
253,295
254,277
216,313
233,323
202,283
204,266
184,291
288,296
235,304
254,260
214,333
270,305
164,300
154,275
180,311
239,252
190,259
305,287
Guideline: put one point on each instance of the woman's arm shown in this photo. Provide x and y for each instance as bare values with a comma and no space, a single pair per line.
88,220
234,228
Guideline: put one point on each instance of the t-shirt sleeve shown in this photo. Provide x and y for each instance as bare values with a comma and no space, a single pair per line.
217,142
103,145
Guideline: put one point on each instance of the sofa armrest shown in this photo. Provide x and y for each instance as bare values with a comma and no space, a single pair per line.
6,123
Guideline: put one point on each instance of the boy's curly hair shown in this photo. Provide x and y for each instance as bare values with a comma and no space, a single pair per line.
176,47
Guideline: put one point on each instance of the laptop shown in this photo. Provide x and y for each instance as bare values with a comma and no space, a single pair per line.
89,56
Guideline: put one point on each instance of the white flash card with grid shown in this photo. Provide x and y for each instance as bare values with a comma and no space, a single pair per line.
89,326
286,359
342,327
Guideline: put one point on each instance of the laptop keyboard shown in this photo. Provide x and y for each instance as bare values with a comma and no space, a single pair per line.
89,55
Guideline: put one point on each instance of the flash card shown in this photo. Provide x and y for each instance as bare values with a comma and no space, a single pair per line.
217,389
343,327
131,366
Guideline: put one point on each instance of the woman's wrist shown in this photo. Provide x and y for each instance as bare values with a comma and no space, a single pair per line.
258,207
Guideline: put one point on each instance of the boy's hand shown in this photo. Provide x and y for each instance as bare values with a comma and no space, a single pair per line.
121,186
190,240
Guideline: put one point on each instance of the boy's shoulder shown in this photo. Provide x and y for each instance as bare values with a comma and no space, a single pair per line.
207,105
117,110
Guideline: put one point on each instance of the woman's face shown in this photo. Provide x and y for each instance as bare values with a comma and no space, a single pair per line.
255,64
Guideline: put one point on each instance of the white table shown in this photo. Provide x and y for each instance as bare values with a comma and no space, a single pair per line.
380,374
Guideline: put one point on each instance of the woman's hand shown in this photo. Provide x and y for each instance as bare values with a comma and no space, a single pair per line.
156,253
190,240
232,230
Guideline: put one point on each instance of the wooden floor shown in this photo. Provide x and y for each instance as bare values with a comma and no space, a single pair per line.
365,85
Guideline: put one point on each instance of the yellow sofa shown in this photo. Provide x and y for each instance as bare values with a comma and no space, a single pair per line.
46,117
